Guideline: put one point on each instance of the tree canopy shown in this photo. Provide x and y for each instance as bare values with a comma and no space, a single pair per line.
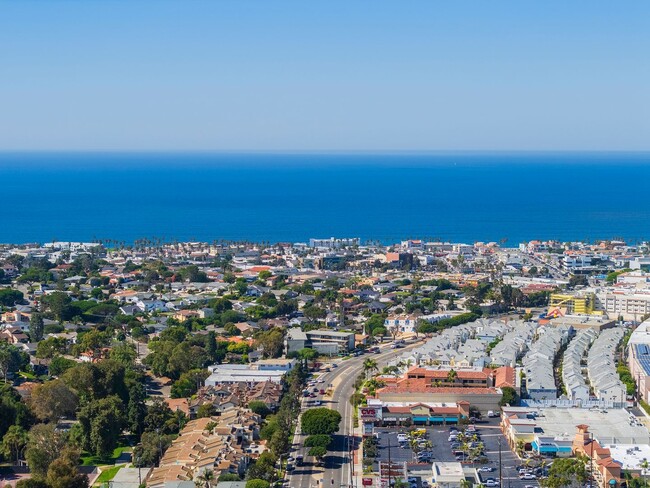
320,421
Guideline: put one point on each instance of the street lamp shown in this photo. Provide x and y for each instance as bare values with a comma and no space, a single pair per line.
137,461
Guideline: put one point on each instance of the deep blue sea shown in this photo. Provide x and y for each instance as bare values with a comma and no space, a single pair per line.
292,197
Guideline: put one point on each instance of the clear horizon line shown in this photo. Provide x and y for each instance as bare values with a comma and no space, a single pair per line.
325,151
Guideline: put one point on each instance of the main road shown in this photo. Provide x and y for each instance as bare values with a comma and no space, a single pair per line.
338,468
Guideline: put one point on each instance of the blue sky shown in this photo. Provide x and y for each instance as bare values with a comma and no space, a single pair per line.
324,75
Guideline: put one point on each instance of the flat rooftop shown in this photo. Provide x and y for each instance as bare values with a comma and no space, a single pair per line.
631,456
448,472
613,427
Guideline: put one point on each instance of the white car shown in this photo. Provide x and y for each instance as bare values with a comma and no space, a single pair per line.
491,483
528,476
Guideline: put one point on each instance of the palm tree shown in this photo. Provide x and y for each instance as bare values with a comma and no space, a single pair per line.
205,479
451,376
644,471
369,365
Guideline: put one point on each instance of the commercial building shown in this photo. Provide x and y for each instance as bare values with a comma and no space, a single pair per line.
379,412
612,426
266,370
453,475
579,322
418,391
638,358
640,263
322,340
583,303
334,243
631,304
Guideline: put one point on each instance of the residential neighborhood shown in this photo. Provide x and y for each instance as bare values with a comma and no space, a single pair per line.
174,364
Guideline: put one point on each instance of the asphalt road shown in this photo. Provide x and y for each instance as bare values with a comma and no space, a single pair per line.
338,468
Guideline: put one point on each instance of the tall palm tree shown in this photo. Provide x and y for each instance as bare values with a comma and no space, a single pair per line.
369,365
205,479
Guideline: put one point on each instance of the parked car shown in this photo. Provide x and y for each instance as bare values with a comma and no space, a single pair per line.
528,476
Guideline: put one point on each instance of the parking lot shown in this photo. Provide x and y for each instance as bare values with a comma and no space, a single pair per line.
490,435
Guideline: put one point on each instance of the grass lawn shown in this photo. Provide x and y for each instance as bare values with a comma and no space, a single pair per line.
108,474
88,459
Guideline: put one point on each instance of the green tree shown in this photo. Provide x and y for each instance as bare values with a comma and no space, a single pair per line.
92,341
205,479
151,448
313,313
259,407
257,483
566,472
271,342
101,425
189,383
31,483
263,468
44,445
13,442
379,332
307,354
509,397
320,421
160,417
9,297
136,409
53,400
50,347
64,472
357,399
205,410
59,365
12,359
124,353
319,452
58,303
369,365
321,440
36,327
279,443
374,322
229,477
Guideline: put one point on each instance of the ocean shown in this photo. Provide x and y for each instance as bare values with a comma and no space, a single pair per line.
460,197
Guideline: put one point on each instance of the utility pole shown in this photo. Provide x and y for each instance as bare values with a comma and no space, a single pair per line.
591,460
500,474
390,466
